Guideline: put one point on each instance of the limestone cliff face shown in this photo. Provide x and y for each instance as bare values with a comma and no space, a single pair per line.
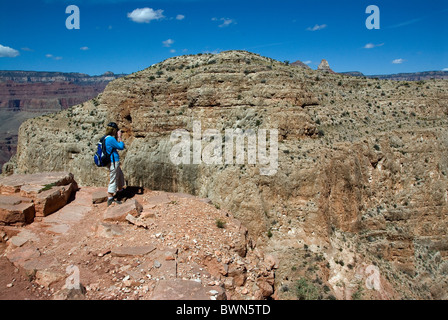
362,170
228,91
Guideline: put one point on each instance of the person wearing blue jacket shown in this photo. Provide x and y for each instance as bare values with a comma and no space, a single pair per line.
114,143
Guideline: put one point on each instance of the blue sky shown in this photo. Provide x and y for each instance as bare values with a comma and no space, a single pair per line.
115,36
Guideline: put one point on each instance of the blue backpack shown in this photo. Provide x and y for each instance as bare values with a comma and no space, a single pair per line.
101,157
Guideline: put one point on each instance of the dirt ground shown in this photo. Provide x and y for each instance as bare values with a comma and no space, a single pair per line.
14,284
177,240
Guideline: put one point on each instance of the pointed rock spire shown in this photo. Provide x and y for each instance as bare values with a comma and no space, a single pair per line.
324,66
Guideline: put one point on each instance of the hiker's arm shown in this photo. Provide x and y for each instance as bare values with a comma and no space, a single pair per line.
117,145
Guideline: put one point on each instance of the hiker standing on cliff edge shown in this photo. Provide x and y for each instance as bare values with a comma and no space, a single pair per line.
113,143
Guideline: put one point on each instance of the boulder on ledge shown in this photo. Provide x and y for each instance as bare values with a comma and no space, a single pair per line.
26,196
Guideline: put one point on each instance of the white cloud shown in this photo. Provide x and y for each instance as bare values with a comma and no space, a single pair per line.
84,48
216,51
398,61
445,69
145,15
180,17
307,62
317,27
225,22
168,43
173,51
50,56
7,52
371,45
406,23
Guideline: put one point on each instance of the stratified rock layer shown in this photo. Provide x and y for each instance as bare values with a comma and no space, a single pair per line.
24,197
324,66
362,163
28,94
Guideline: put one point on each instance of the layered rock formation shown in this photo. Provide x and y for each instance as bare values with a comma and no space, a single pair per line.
361,182
28,94
414,76
24,197
299,63
50,77
42,92
45,97
324,66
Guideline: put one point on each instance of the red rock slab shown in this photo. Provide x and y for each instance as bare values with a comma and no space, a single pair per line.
18,214
163,264
99,196
186,290
132,251
50,201
13,184
214,267
23,237
20,255
13,200
120,212
40,263
9,232
161,198
108,230
29,190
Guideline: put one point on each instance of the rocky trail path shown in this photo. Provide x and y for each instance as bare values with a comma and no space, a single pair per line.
155,245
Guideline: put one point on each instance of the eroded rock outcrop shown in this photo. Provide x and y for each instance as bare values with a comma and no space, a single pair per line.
300,64
362,163
24,197
324,66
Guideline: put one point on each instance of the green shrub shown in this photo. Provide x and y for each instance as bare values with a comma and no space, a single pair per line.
306,290
321,133
358,295
48,186
220,223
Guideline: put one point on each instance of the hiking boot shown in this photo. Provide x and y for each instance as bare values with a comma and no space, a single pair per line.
110,201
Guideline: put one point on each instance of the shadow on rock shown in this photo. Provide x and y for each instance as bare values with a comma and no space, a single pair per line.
129,193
